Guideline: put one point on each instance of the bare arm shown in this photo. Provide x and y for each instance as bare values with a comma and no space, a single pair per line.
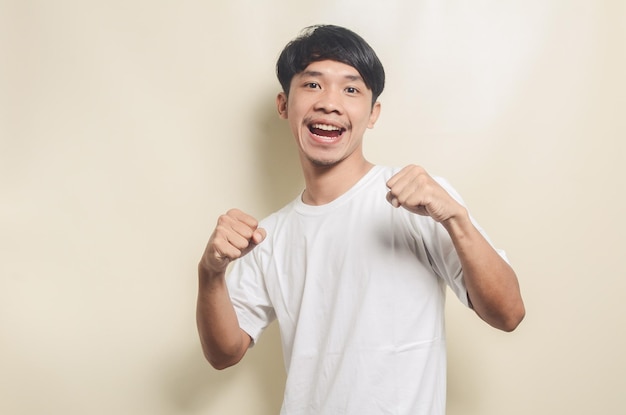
491,283
224,343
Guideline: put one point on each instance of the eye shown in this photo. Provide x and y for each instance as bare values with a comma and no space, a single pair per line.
312,85
352,90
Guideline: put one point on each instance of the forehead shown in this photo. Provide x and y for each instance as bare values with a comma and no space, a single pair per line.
331,69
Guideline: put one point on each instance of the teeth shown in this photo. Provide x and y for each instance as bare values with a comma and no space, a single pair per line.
326,127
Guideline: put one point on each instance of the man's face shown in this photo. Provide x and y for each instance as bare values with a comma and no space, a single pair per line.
329,108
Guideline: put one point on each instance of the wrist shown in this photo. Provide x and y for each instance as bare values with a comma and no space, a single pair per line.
458,223
208,275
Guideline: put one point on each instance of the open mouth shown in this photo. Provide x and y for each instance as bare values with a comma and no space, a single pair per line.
326,130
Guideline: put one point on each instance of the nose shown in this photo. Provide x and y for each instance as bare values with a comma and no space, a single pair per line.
329,101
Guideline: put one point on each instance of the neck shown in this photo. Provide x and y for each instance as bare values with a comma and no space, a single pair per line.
326,183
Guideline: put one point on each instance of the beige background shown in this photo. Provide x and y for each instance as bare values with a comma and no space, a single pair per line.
127,127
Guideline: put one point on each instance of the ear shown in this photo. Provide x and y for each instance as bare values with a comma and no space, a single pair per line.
281,105
374,115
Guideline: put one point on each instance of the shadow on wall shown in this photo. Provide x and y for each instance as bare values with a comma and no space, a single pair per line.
280,175
463,393
193,386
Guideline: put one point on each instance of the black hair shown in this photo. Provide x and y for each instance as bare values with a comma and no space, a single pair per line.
329,42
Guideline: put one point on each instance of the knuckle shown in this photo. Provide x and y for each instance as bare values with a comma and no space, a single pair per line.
233,212
220,230
222,220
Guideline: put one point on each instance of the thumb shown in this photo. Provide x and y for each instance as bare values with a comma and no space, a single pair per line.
258,236
392,199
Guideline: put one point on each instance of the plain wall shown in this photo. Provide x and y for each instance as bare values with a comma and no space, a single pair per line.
127,127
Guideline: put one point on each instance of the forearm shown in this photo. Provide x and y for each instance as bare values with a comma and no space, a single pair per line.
492,285
223,341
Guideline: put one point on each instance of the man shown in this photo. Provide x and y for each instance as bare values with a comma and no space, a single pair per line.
355,269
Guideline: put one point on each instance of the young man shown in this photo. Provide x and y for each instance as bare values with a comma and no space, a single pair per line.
355,269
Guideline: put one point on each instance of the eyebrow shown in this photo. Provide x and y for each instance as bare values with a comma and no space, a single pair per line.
317,74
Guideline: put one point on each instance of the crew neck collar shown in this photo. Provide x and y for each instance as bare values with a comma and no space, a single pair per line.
305,209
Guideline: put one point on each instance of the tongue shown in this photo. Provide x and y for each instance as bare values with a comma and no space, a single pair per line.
325,133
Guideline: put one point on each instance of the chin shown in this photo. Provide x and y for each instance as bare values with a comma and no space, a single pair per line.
317,162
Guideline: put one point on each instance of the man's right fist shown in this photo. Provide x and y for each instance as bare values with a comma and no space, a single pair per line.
236,234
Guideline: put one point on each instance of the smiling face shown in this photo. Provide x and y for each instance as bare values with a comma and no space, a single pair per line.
329,108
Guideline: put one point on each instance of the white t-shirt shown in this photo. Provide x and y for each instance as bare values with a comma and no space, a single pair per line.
358,289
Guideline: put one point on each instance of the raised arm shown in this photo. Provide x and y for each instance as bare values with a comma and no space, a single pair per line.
224,343
491,283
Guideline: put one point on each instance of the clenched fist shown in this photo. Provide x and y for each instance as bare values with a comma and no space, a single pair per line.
416,191
236,234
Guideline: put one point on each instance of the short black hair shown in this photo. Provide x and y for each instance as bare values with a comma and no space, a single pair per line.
330,42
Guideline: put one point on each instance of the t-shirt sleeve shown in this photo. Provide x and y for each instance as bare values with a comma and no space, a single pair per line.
249,296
